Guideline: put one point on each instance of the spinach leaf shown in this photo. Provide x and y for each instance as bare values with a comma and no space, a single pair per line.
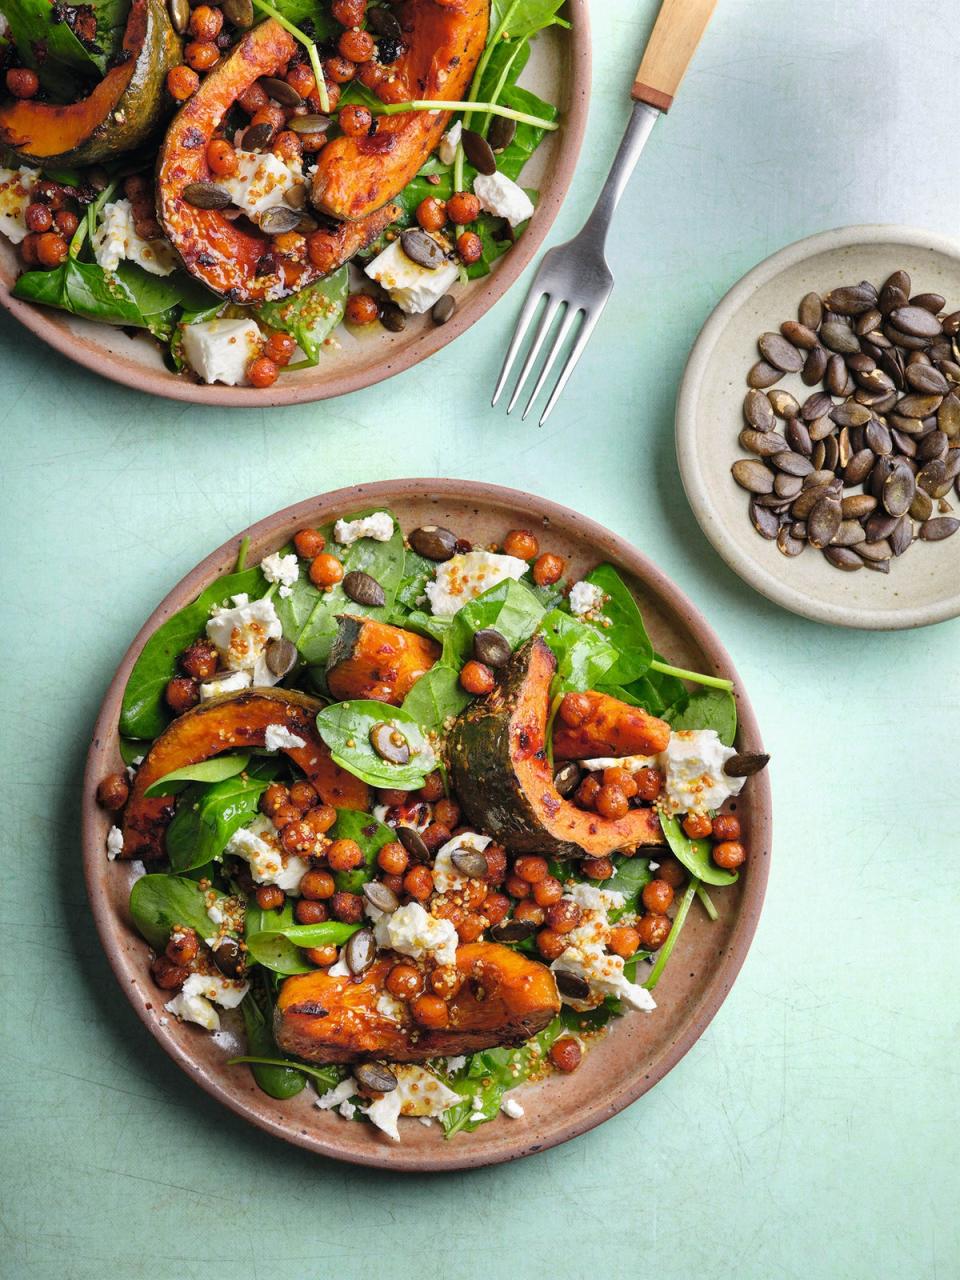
510,607
345,728
630,876
694,854
625,631
311,315
159,295
708,709
266,940
371,835
158,902
84,289
50,47
207,816
132,749
143,714
417,572
584,654
436,696
327,1076
216,769
656,692
276,1080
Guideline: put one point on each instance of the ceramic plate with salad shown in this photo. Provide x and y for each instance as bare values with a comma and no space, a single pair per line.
284,199
426,820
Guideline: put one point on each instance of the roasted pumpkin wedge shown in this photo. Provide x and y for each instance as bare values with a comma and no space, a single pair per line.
371,659
235,259
444,40
506,998
232,722
503,780
123,110
589,725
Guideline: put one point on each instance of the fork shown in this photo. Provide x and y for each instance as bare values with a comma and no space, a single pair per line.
575,277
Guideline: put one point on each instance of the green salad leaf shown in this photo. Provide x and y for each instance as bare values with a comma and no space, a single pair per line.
274,1078
629,877
626,631
510,607
216,769
49,46
158,902
267,943
371,835
345,728
311,315
694,854
435,697
708,709
207,816
584,654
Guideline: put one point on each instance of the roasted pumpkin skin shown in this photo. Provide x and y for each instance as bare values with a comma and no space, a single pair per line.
231,722
609,728
372,659
503,780
444,42
325,1019
234,259
123,110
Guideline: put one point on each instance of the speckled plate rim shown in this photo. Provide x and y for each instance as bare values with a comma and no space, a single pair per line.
314,386
631,1084
696,478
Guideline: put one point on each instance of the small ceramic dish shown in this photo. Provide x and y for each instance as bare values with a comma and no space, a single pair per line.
641,1048
924,585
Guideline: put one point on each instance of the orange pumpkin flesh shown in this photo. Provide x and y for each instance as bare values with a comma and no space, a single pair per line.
232,722
610,728
371,659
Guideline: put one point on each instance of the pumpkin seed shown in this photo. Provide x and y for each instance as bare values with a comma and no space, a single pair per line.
784,404
921,508
852,300
836,376
820,428
875,551
914,406
901,537
938,528
880,526
257,136
389,743
810,311
360,952
933,445
281,656
362,589
850,414
514,931
281,92
753,476
470,863
383,22
816,406
818,478
758,411
917,322
374,1077
479,152
433,543
792,464
764,443
765,521
392,318
780,353
898,490
804,505
571,985
849,534
422,249
799,334
206,195
859,467
843,558
443,309
745,764
229,958
831,452
931,476
381,896
239,12
787,486
823,523
501,133
840,338
948,416
878,438
491,648
278,219
296,196
798,437
414,843
179,15
788,544
567,778
927,380
857,505
814,367
763,375
312,123
867,321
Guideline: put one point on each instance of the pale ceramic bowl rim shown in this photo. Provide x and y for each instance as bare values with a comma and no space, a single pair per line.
697,479
314,385
630,1084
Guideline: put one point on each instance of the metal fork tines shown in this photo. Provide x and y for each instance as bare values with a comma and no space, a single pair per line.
574,281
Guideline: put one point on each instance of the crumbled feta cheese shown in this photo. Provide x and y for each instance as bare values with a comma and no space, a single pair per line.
418,1093
114,843
456,1064
259,845
340,968
116,238
338,1095
694,781
260,182
445,874
633,764
225,682
585,598
278,737
221,350
284,570
194,1008
412,932
586,957
502,197
464,577
512,1108
226,992
391,1008
413,288
591,898
347,1109
447,149
417,814
242,633
477,1117
15,188
378,526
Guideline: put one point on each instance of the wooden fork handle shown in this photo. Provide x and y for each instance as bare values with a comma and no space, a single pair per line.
676,34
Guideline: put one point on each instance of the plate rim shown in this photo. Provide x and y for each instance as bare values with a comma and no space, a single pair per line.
53,329
454,1156
692,475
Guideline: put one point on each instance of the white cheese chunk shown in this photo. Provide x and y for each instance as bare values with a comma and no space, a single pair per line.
512,1108
413,288
283,570
445,874
224,682
502,197
260,182
633,764
277,737
338,1095
412,932
464,577
585,599
221,350
116,238
114,843
15,188
226,992
241,633
447,150
193,1008
418,1093
391,1008
694,781
259,845
378,526
585,953
340,968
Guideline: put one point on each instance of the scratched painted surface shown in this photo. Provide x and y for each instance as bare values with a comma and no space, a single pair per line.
813,1130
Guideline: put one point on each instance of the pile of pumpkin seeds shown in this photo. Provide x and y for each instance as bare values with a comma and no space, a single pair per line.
885,425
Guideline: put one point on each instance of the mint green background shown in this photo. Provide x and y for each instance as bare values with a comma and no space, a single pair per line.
812,1132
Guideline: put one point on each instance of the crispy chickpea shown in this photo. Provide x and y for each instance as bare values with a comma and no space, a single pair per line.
726,826
469,248
308,543
50,193
272,114
52,249
38,217
431,213
393,883
527,912
167,975
673,872
432,788
269,897
393,858
339,69
298,837
303,795
286,814
564,916
649,784
446,981
22,82
221,157
347,907
372,75
325,570
496,907
28,249
344,855
201,54
317,885
181,694
597,868
301,78
729,854
472,892
362,309
496,857
587,792
182,946
262,372
470,927
516,887
182,83
391,796
624,941
113,791
654,929
622,778
275,796
551,944
418,882
446,812
531,868
574,709
355,121
435,835
66,222
322,957
280,346
657,896
697,826
565,1054
463,207
287,147
522,544
349,13
547,891
205,22
309,911
404,981
430,1011
253,99
200,659
548,569
356,46
477,678
611,802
